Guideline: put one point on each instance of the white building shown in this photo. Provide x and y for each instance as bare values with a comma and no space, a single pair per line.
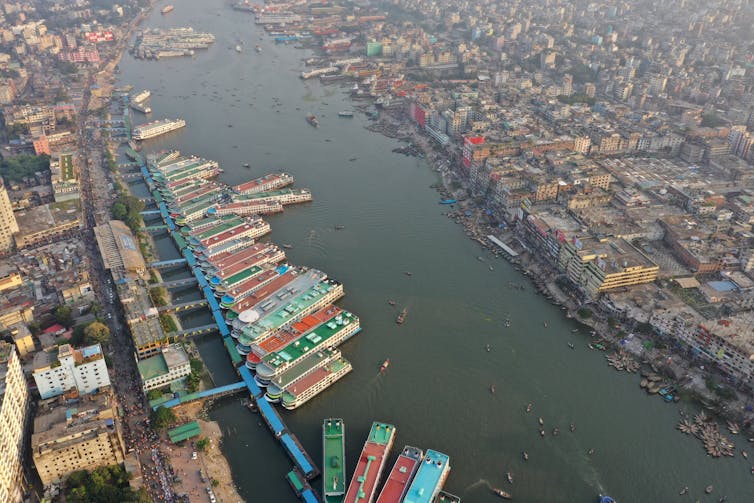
14,400
8,225
81,369
172,364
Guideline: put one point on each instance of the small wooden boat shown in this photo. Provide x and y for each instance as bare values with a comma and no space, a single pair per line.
510,477
685,490
401,316
525,455
541,421
407,273
570,345
391,302
492,389
528,407
542,433
340,227
572,427
488,348
502,494
555,431
709,489
287,246
590,451
745,454
384,365
246,165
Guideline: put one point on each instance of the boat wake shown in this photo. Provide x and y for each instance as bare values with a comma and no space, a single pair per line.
316,243
480,482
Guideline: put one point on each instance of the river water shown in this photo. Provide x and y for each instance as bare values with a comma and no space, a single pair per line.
250,107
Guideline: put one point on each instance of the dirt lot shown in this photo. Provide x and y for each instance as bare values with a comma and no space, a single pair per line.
211,462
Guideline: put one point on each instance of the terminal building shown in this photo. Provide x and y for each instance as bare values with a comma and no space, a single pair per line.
76,436
119,250
81,371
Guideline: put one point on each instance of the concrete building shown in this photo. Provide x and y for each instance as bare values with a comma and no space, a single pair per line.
83,370
14,401
172,364
47,223
22,339
599,266
8,225
80,436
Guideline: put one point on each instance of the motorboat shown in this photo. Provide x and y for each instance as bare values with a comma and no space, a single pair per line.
385,365
502,494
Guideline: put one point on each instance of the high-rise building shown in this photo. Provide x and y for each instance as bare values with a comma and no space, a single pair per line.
79,436
8,225
83,370
14,400
567,84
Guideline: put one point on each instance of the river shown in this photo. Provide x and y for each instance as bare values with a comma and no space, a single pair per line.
250,107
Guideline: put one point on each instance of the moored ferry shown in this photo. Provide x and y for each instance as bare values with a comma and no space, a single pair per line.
315,382
282,196
273,181
240,311
370,464
252,230
250,208
156,128
400,477
260,253
141,96
429,479
295,331
333,460
270,320
329,335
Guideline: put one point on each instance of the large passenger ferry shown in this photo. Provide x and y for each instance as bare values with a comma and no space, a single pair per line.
312,375
282,196
401,475
333,460
429,479
295,331
265,183
329,335
156,128
370,464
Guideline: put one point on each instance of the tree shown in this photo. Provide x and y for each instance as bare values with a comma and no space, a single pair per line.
202,444
63,316
22,166
163,417
97,331
119,211
154,394
584,312
104,484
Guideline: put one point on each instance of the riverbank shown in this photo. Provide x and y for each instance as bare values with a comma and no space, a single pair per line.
653,353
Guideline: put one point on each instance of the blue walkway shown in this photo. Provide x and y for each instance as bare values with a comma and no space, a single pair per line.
220,390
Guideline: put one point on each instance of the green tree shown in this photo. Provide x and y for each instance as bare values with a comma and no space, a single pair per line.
63,315
154,394
104,484
202,444
22,166
119,211
97,331
163,417
584,312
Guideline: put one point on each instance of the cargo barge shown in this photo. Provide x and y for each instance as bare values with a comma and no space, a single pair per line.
333,460
370,464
